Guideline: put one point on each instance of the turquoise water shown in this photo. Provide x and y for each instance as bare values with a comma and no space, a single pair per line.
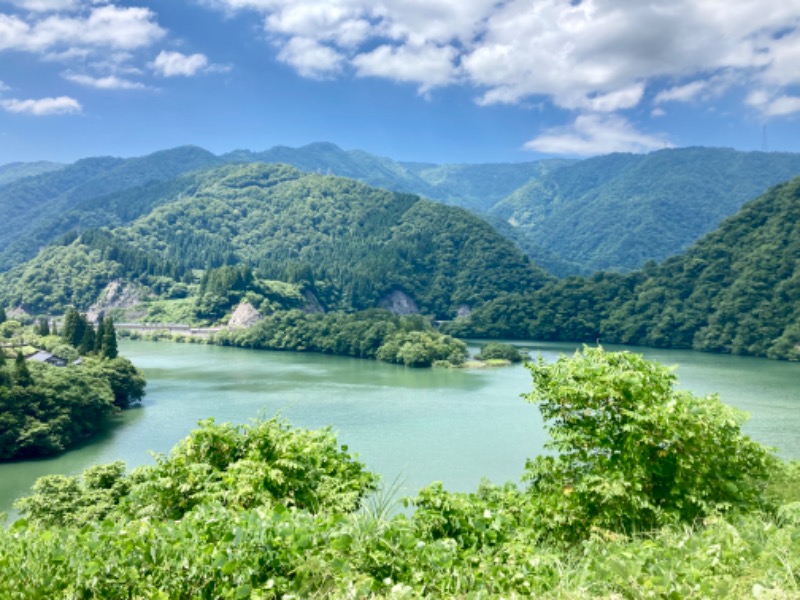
418,426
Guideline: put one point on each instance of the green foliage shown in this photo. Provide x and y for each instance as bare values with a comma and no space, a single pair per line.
618,211
375,333
265,464
22,375
634,454
76,197
347,244
421,349
46,409
63,500
497,350
266,511
735,291
19,170
108,343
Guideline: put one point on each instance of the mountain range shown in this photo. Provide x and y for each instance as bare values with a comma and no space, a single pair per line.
613,212
352,244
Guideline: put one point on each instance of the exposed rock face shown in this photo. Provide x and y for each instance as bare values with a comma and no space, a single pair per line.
312,303
117,294
244,316
17,313
399,303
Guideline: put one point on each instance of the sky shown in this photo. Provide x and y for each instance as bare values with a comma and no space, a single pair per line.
445,81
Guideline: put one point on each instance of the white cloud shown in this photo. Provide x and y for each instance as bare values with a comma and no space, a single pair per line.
627,97
427,65
783,105
658,112
594,55
107,27
771,105
681,93
174,64
44,106
595,134
4,87
110,82
310,58
46,5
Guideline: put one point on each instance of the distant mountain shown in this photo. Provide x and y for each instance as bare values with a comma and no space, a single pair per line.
737,290
31,206
112,191
477,187
618,211
353,244
20,170
613,212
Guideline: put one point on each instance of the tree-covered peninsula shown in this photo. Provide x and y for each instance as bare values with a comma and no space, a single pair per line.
59,390
651,492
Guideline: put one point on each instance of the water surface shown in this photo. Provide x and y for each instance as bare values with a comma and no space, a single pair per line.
418,425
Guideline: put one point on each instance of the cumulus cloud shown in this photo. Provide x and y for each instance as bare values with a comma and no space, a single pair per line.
106,27
174,64
46,5
592,55
110,82
681,93
593,134
427,65
310,58
773,105
61,105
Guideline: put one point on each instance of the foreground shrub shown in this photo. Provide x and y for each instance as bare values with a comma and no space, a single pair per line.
633,453
265,464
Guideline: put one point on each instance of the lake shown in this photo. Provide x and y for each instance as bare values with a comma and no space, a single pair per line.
413,425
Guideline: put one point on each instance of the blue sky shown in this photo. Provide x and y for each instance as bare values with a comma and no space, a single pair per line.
428,80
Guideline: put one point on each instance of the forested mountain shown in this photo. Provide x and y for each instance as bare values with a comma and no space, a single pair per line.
618,211
612,212
351,244
476,187
31,205
735,291
20,170
111,191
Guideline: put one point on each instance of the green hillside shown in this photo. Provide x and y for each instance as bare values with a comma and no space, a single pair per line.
351,244
611,212
618,211
735,291
32,205
476,187
20,170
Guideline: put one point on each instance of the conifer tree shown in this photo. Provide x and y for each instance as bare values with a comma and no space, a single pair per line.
98,339
3,316
44,327
72,332
87,341
22,376
5,378
110,339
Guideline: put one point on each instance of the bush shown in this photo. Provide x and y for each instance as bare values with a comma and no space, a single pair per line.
634,453
496,350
